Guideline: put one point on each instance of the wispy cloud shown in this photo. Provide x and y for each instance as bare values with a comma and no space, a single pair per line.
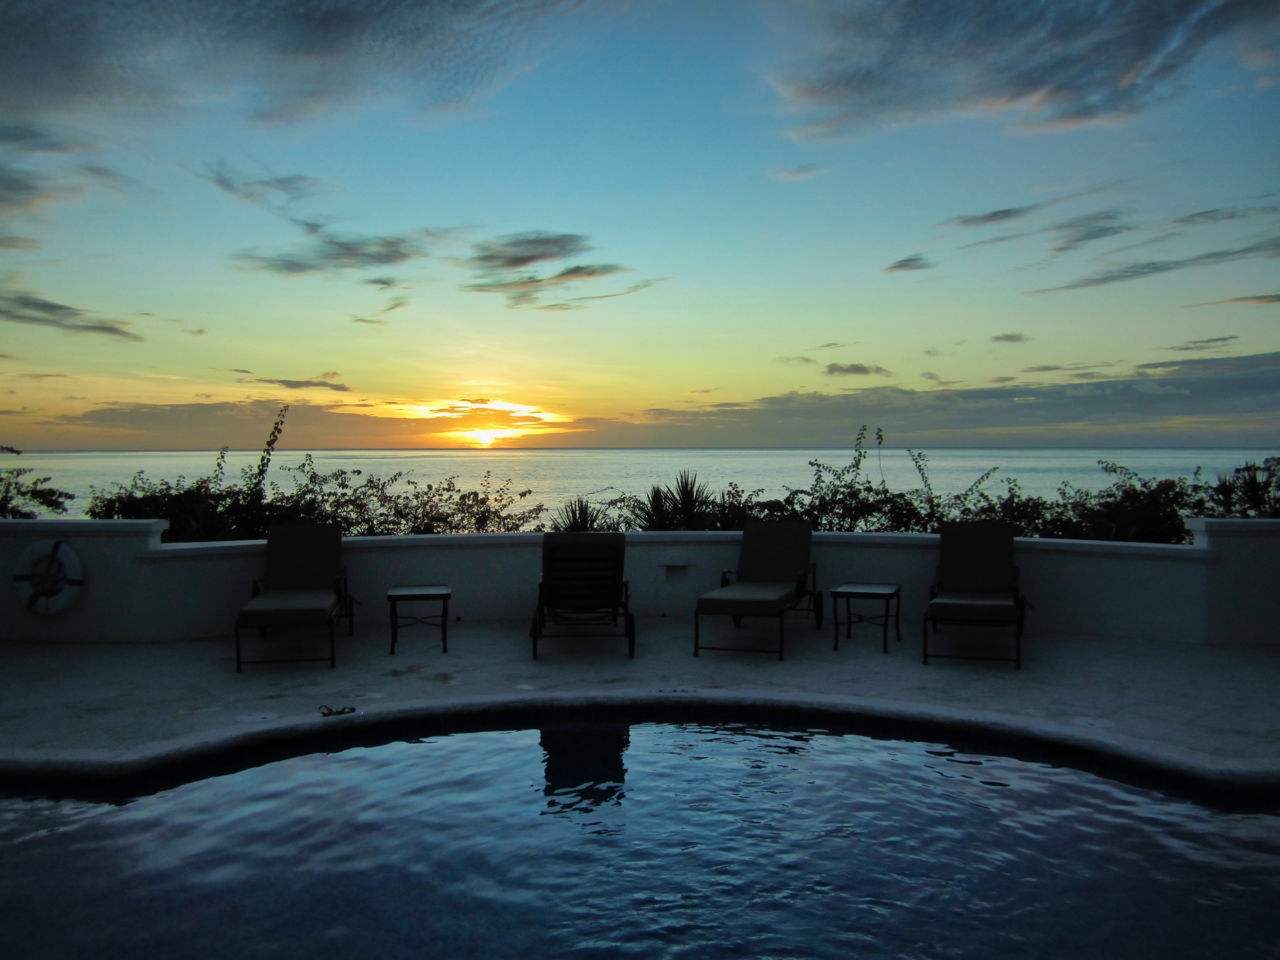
916,261
1226,214
876,63
855,370
797,361
1148,268
504,266
1010,338
18,306
1209,343
803,171
1260,299
327,381
295,60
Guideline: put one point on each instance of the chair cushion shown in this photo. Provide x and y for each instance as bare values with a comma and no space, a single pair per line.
972,608
752,599
275,607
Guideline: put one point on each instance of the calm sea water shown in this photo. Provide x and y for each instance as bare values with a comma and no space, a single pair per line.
556,476
652,841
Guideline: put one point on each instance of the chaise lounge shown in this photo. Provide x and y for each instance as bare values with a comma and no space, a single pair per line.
583,586
303,585
977,585
774,576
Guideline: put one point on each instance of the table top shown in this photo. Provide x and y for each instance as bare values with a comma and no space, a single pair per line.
438,591
866,589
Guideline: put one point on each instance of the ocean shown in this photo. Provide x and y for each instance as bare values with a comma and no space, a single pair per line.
556,476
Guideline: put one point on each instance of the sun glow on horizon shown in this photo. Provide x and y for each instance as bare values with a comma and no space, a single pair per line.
488,416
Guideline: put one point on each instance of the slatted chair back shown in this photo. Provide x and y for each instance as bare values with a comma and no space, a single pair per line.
775,551
303,556
583,572
976,557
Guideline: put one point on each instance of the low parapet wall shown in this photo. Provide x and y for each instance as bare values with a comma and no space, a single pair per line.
1218,589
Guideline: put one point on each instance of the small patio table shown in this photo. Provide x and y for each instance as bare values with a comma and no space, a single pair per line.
889,593
404,593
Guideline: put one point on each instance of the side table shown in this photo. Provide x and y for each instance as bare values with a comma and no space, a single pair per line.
889,593
404,594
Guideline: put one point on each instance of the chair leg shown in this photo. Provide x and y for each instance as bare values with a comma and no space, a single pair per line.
332,658
631,635
238,647
695,634
781,627
926,641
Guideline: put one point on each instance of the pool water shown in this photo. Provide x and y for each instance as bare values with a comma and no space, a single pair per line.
649,840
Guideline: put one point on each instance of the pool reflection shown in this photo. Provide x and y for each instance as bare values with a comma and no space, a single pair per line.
583,765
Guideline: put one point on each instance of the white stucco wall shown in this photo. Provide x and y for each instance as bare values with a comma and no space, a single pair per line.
1219,589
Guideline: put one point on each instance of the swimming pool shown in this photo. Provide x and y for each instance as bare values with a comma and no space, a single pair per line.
646,840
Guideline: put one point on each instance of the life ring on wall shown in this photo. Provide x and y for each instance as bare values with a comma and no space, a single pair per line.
49,577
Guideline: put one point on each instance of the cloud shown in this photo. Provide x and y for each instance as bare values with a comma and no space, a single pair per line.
914,262
272,192
994,216
1209,343
798,360
1225,214
284,61
19,243
520,251
18,306
502,266
1010,338
1078,231
37,138
803,171
22,191
1259,299
373,321
330,252
855,369
877,64
326,380
1235,400
1136,271
935,378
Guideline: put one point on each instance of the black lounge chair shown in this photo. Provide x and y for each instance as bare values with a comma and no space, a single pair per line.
303,584
583,586
977,585
774,576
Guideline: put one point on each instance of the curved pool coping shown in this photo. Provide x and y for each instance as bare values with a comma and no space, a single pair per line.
125,772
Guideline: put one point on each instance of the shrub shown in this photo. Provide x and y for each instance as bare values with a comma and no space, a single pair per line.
20,498
208,509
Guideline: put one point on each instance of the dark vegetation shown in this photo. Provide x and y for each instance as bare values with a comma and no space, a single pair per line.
22,498
841,498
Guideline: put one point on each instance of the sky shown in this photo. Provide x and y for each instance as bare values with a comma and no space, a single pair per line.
542,223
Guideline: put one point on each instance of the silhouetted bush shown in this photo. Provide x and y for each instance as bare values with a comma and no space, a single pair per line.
20,498
840,498
209,509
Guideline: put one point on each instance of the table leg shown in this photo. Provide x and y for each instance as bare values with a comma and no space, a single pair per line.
394,623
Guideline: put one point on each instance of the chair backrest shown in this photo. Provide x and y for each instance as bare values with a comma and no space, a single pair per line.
583,571
303,556
977,557
774,551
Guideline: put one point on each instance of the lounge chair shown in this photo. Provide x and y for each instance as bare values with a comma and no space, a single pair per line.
977,585
582,587
774,576
303,584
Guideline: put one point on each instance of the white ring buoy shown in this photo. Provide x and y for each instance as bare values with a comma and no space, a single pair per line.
49,577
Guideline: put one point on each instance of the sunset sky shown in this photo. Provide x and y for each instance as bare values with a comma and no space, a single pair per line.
687,223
